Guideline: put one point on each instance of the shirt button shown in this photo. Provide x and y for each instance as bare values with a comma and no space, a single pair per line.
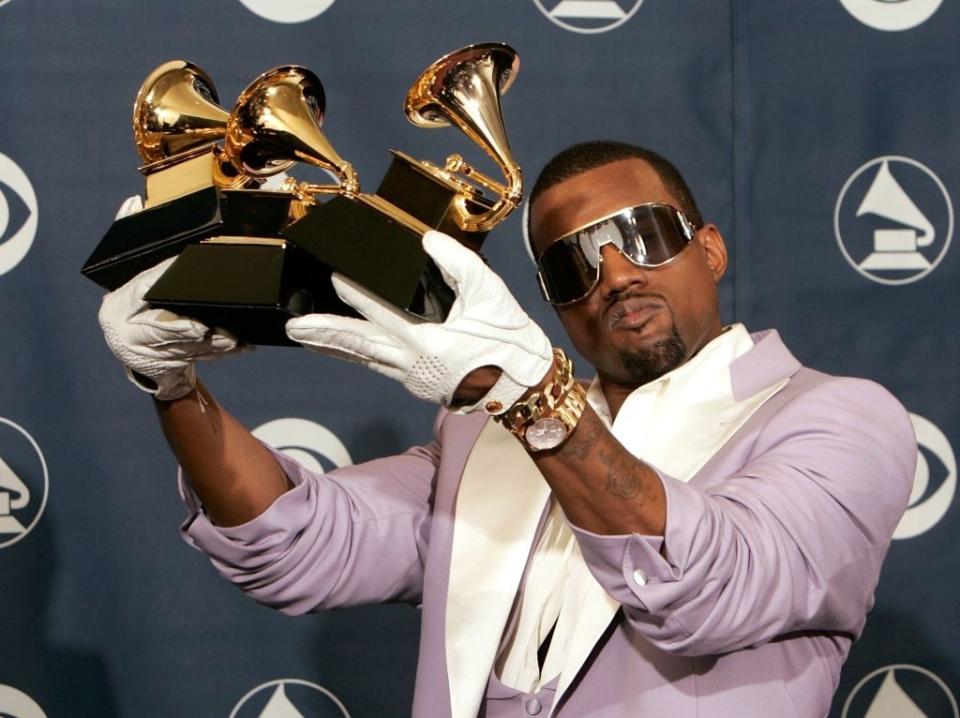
639,577
533,706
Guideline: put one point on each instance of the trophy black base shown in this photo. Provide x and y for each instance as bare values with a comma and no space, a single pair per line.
140,241
376,251
412,188
250,289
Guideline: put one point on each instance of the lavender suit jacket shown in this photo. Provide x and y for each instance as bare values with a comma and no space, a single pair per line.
751,601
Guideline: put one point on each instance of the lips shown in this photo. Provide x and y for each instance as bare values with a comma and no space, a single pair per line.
633,312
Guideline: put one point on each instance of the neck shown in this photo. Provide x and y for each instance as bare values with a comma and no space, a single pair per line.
616,391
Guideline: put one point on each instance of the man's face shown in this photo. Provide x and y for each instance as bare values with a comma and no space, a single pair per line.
636,324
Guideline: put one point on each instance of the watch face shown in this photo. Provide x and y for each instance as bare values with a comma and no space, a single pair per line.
545,434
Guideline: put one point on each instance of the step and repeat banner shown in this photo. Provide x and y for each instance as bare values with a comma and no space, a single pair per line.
822,137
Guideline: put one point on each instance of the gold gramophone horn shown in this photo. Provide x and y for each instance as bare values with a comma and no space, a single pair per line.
276,122
176,110
464,88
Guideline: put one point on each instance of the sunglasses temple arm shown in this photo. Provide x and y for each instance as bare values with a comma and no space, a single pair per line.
543,288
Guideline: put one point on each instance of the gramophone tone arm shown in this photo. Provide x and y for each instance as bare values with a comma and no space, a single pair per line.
510,196
307,192
456,163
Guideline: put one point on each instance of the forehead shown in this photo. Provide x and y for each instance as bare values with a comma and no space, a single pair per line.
594,194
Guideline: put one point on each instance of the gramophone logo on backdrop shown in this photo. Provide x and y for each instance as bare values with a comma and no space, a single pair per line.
17,703
313,445
891,15
289,698
934,482
18,213
901,691
893,220
23,483
287,11
588,15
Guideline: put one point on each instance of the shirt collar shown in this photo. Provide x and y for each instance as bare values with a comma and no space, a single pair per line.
703,377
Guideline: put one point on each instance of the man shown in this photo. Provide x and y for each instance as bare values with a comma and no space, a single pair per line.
701,537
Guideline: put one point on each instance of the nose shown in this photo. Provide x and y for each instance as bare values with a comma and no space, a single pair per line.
618,273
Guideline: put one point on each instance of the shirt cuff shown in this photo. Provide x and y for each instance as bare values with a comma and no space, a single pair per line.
646,572
498,399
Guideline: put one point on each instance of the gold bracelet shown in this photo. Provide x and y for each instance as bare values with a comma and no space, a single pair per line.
546,418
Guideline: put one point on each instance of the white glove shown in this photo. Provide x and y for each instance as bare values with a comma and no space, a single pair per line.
131,205
156,344
157,347
485,326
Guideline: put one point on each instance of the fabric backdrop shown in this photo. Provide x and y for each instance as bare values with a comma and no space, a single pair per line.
821,136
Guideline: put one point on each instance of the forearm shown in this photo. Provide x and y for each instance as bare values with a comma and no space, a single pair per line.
352,536
233,474
600,485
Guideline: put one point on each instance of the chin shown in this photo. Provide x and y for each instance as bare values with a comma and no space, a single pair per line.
647,363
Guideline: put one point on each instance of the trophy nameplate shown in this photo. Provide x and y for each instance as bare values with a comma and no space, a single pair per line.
166,180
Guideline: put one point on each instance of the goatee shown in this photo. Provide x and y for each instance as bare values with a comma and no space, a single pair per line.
650,363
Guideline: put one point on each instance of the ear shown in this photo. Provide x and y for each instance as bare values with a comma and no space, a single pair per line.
714,249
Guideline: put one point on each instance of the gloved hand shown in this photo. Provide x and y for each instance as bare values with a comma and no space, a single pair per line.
156,344
131,205
157,347
485,326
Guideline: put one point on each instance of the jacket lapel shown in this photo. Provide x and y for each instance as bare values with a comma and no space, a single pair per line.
499,505
593,608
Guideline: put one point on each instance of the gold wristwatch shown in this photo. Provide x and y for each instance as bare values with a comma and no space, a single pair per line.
545,419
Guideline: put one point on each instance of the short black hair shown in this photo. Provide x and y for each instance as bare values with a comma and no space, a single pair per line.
585,156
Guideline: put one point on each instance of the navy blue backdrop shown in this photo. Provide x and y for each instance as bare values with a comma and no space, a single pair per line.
822,137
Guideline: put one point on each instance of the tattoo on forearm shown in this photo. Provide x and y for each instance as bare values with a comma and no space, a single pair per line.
582,442
622,486
209,410
622,480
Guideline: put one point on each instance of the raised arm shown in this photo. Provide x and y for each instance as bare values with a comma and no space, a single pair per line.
291,539
601,486
234,475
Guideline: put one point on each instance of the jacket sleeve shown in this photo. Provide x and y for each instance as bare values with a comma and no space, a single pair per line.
355,535
793,541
